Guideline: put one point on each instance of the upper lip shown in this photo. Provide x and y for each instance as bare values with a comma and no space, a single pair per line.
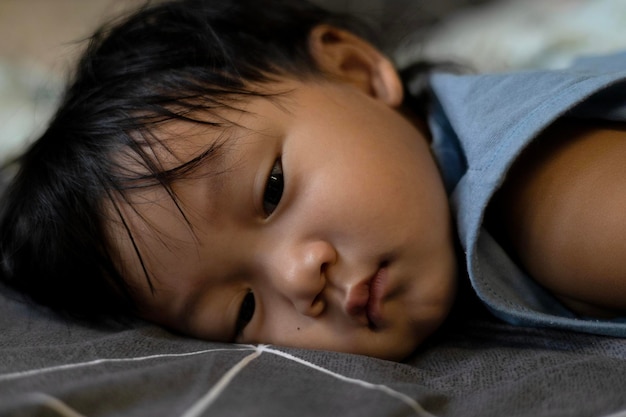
360,302
376,293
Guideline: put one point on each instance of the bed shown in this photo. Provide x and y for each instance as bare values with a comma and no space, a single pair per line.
474,365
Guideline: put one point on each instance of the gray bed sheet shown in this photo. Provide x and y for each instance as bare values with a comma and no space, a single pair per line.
475,366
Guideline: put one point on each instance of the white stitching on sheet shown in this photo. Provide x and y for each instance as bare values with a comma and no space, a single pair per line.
205,402
617,414
419,410
53,403
209,398
23,374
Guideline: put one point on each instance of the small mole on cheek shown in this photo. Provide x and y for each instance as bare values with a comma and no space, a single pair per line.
298,329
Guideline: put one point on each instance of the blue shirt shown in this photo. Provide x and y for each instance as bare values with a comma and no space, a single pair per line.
480,125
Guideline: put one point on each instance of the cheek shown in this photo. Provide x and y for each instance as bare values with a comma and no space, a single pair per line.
286,329
384,345
282,326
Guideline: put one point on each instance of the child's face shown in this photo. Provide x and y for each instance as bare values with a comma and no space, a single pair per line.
348,247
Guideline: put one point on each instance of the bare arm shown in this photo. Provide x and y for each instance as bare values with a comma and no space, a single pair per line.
562,214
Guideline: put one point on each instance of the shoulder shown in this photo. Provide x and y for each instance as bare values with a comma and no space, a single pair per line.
561,213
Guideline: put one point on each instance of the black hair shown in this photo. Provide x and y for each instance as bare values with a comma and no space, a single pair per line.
168,61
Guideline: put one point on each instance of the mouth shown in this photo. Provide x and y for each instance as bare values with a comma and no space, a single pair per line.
377,287
364,302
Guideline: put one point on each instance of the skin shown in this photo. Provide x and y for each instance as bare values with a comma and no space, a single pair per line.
561,214
356,256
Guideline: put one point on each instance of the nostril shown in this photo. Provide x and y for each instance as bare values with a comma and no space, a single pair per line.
317,299
317,306
324,268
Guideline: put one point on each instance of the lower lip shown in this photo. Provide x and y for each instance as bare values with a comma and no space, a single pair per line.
377,291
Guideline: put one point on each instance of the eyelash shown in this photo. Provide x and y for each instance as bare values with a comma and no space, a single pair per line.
273,188
246,312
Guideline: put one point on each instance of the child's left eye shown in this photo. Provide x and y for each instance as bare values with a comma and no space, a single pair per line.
246,312
273,188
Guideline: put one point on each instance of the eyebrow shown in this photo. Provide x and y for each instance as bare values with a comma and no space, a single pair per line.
140,168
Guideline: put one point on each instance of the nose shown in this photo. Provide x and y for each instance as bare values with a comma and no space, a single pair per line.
300,274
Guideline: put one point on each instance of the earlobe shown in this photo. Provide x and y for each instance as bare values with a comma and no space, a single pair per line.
347,57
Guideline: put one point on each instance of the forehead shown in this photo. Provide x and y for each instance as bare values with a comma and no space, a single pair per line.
174,176
147,207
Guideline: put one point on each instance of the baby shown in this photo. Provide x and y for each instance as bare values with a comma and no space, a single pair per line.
258,172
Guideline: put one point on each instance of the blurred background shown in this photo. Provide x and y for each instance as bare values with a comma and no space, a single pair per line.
40,39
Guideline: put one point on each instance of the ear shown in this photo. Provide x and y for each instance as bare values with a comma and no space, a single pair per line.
349,58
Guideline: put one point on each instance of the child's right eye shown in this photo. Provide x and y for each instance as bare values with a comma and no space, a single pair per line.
273,188
246,311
